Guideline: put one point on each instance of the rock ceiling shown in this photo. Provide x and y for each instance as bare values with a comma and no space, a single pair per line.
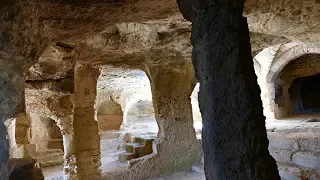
132,32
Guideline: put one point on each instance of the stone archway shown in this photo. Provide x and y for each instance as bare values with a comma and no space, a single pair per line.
290,82
283,58
109,115
268,64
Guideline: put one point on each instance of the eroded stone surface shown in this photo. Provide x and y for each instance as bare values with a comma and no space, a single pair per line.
139,34
232,117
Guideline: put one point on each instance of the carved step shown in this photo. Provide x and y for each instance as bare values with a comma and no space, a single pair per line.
133,147
143,141
55,144
57,161
50,157
123,157
294,142
303,159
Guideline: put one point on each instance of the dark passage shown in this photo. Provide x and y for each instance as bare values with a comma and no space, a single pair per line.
305,94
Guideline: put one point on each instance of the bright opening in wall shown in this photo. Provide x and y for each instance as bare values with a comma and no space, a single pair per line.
196,114
125,115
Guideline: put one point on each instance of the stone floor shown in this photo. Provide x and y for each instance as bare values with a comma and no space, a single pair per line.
294,143
183,176
53,173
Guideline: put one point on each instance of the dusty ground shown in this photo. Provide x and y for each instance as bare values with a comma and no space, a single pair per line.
291,125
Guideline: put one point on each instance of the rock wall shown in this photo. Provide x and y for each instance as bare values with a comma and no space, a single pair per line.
233,121
295,148
171,90
97,32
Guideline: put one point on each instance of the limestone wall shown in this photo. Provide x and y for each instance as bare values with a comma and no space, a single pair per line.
295,147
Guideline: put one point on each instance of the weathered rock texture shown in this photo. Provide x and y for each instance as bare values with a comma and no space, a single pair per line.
235,142
24,169
50,36
86,145
295,147
18,30
171,92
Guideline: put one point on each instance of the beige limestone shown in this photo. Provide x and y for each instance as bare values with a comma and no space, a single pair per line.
57,34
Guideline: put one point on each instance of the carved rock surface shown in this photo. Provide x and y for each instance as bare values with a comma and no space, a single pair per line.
235,142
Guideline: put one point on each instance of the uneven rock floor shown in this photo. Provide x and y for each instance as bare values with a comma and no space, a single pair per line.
53,173
294,143
183,176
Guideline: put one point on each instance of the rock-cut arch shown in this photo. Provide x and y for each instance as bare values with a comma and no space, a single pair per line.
109,115
283,58
279,62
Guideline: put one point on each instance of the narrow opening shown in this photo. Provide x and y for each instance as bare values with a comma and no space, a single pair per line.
196,114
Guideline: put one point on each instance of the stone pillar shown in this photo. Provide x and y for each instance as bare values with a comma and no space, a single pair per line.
234,136
4,151
171,90
11,80
86,132
21,42
66,127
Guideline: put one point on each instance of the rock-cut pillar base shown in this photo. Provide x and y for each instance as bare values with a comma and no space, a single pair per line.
171,90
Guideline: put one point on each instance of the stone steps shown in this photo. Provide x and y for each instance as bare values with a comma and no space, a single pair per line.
294,142
50,163
45,158
55,144
123,157
139,147
297,154
305,159
50,157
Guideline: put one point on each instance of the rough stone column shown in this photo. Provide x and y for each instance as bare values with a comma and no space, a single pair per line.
234,135
171,90
86,132
21,42
11,80
66,127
